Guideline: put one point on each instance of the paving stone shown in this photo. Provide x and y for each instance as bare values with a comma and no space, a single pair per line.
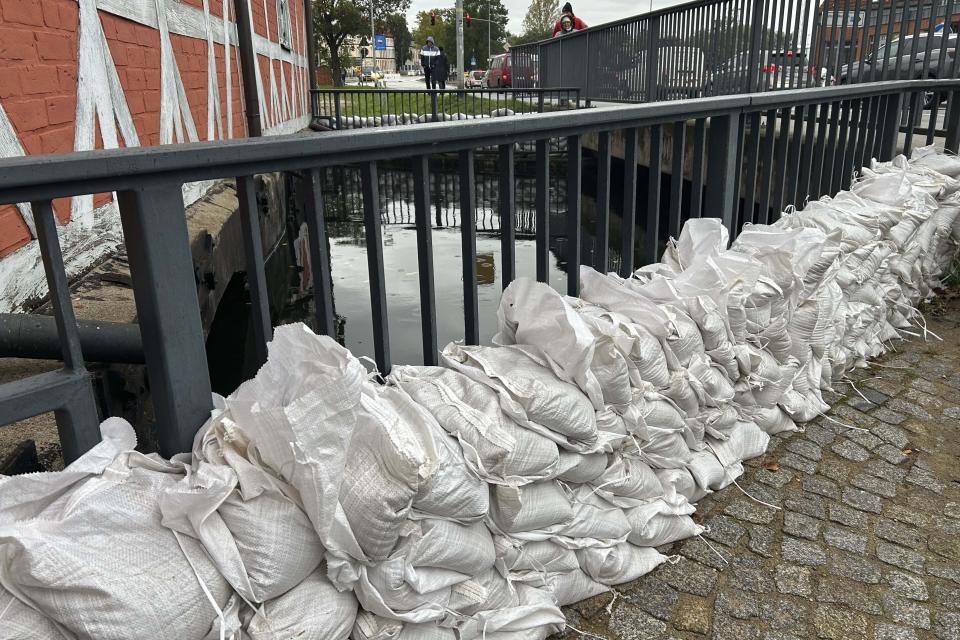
737,604
751,579
806,503
805,448
873,484
794,581
925,400
822,487
902,534
802,552
849,594
885,470
724,530
952,510
892,435
777,635
904,406
845,539
784,615
846,515
891,454
901,513
751,511
836,470
727,628
952,413
924,385
908,585
863,438
862,500
779,478
628,623
698,550
849,414
694,615
801,526
885,414
836,623
947,596
906,611
860,404
885,631
900,557
851,451
654,597
799,463
817,434
945,544
689,577
590,607
945,571
761,540
925,479
946,626
854,567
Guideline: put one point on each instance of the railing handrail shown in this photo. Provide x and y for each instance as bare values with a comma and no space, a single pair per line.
23,179
453,90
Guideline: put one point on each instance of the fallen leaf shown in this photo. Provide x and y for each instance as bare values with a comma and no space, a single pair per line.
772,466
907,452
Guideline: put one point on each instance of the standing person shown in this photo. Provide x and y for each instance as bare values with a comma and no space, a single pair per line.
442,70
578,24
428,60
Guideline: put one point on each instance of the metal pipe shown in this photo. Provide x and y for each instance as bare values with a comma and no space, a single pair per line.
248,60
24,335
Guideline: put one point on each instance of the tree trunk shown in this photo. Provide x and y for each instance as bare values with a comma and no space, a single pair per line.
336,70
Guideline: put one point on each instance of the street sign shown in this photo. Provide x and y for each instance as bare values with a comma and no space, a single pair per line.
380,42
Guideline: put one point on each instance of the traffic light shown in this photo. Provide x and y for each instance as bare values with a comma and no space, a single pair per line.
466,19
433,18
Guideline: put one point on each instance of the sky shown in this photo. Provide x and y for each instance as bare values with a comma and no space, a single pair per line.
593,12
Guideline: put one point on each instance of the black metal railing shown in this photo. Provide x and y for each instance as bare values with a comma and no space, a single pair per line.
749,157
727,47
364,108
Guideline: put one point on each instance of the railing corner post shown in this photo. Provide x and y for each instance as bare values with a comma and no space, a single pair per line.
722,167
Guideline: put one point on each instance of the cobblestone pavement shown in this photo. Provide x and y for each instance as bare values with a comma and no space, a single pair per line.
865,542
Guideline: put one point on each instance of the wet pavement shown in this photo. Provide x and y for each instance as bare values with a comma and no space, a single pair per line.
862,536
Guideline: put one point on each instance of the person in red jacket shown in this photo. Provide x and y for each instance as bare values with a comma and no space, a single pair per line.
577,22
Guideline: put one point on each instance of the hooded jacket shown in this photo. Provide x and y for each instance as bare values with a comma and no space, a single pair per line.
428,55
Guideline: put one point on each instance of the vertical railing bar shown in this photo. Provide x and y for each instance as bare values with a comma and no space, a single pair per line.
816,171
319,255
848,152
601,260
543,210
866,113
574,201
912,112
752,168
651,241
891,18
428,297
676,178
839,169
697,177
378,291
839,34
827,175
507,203
793,163
770,133
864,41
806,155
780,163
797,72
855,53
468,235
819,31
256,273
628,230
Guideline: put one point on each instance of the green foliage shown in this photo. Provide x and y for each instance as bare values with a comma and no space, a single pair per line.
539,20
444,32
395,25
336,20
444,26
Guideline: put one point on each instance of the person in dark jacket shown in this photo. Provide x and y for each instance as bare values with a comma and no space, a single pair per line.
441,71
578,24
428,60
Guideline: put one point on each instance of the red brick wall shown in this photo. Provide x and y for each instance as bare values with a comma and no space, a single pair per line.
38,74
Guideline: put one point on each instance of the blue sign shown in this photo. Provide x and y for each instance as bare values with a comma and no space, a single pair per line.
380,42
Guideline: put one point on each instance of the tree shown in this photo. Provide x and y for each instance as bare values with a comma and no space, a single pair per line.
336,20
475,38
395,25
539,21
439,31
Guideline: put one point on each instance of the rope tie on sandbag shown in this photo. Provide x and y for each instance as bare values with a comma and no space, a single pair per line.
583,634
737,484
203,586
706,529
842,424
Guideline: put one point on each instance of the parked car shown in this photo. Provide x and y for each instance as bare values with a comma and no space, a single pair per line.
913,59
773,69
501,73
474,79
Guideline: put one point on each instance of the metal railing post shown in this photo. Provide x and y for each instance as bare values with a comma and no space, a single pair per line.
653,29
722,168
756,42
952,123
890,127
336,109
433,105
161,267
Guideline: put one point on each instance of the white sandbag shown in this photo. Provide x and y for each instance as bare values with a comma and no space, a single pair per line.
539,557
21,622
95,539
627,482
745,442
313,610
595,521
659,523
535,617
372,627
679,484
300,412
494,446
574,586
619,564
487,591
532,507
529,392
578,468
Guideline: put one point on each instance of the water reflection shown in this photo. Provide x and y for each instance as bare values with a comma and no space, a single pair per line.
351,285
